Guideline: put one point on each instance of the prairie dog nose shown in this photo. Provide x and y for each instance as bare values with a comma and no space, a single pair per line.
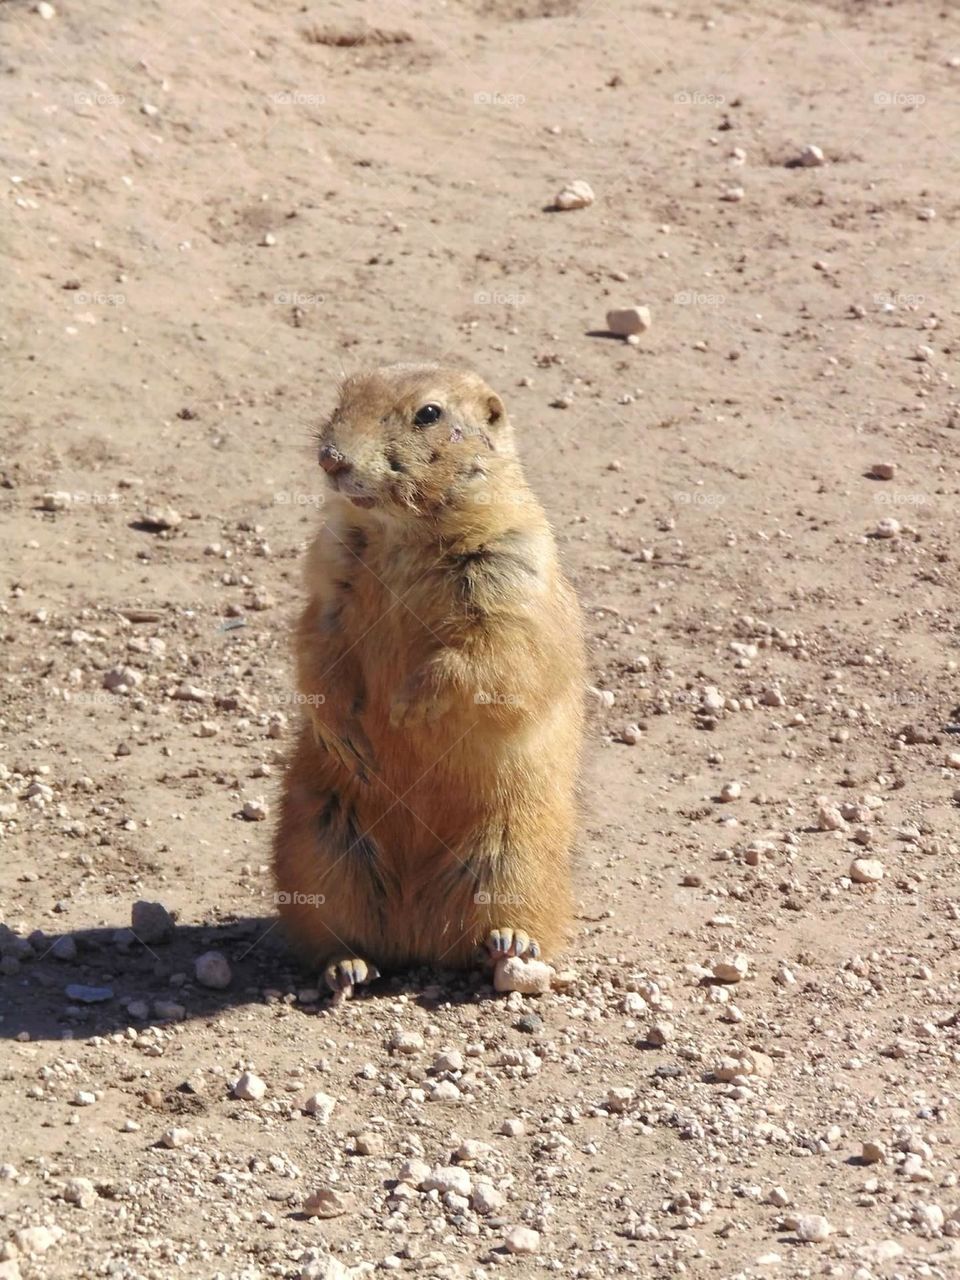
332,460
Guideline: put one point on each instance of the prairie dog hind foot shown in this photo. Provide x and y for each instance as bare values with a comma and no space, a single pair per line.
342,975
505,942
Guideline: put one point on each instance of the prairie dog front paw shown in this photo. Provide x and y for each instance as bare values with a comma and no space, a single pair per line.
421,700
411,708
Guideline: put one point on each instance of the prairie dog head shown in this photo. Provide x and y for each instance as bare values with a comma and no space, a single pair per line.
415,440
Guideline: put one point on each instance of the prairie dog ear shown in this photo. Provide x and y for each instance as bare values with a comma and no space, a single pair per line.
495,409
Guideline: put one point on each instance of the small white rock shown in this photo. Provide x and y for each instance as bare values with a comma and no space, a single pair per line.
320,1105
731,791
445,1091
249,1087
531,977
742,1063
121,678
604,698
326,1202
446,1178
65,948
812,1228
712,699
829,817
81,1192
151,922
811,157
866,871
522,1240
212,969
449,1060
485,1198
628,320
36,1240
883,470
407,1042
176,1137
734,970
414,1172
620,1098
575,195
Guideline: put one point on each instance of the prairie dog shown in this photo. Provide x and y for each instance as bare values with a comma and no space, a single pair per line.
428,808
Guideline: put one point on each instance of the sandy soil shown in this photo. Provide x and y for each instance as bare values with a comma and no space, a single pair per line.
209,213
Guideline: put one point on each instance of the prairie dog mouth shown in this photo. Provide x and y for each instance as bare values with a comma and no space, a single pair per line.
346,488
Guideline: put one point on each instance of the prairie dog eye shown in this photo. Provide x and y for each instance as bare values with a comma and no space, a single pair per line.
427,414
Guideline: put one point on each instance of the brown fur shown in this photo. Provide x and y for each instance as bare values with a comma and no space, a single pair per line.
430,798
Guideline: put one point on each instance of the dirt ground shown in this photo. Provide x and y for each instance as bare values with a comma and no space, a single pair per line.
210,212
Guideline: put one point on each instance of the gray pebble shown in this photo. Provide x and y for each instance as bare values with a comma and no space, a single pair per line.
151,922
88,995
530,1023
65,948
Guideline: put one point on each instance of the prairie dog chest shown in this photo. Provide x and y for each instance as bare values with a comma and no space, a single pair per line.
368,585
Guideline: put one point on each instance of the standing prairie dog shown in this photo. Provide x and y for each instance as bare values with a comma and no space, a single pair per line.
428,808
